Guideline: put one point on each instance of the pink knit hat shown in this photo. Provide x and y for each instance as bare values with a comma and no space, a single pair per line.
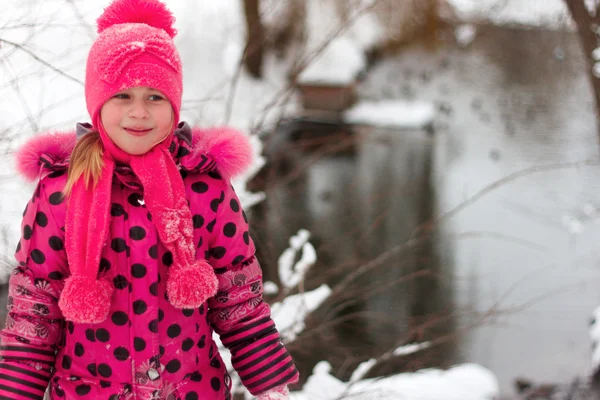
134,48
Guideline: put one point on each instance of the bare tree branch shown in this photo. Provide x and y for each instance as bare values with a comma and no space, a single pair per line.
47,64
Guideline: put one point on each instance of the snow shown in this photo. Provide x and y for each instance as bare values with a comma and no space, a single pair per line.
536,13
465,34
338,65
462,382
292,274
392,113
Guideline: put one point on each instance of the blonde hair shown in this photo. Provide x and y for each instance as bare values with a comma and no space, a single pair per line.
86,160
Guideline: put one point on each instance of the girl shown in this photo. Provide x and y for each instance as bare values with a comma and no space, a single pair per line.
134,245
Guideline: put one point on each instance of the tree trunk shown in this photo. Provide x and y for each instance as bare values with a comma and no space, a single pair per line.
253,54
587,24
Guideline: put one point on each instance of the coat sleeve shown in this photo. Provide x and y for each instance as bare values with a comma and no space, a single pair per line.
238,313
34,323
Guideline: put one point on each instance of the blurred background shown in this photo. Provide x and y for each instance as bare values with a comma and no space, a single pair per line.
442,154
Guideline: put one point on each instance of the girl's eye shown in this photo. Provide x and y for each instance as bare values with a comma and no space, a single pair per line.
121,96
156,97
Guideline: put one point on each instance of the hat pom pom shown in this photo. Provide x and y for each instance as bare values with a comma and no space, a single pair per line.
150,12
85,300
191,285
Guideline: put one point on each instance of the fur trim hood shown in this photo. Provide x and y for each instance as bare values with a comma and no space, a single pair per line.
220,148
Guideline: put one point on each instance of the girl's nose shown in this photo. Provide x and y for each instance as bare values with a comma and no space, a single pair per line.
138,110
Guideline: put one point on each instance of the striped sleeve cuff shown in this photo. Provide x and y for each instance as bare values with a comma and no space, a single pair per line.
28,353
22,381
264,364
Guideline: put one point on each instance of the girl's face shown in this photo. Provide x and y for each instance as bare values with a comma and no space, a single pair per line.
137,119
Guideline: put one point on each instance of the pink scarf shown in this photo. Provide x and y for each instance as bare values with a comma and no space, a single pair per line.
86,299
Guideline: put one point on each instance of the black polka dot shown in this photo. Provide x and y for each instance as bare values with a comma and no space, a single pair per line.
139,344
119,318
116,210
161,314
102,335
134,199
215,363
173,366
238,260
56,243
187,344
118,245
82,389
149,216
214,205
92,369
55,275
191,396
199,187
104,265
56,198
79,350
59,392
188,312
105,370
196,376
154,289
153,326
153,252
37,256
202,342
120,282
27,232
201,309
173,331
218,252
198,221
211,225
215,383
70,325
235,206
167,258
41,219
137,233
58,173
139,307
104,384
246,237
229,229
121,353
138,270
67,362
90,335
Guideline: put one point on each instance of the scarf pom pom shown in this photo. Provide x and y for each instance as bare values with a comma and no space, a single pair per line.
85,300
191,285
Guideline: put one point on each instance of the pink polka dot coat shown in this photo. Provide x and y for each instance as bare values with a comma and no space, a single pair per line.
146,349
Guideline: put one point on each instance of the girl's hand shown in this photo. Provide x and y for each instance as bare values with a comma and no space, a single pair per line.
277,393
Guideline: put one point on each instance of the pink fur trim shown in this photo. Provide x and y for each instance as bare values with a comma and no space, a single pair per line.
229,148
192,285
56,144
